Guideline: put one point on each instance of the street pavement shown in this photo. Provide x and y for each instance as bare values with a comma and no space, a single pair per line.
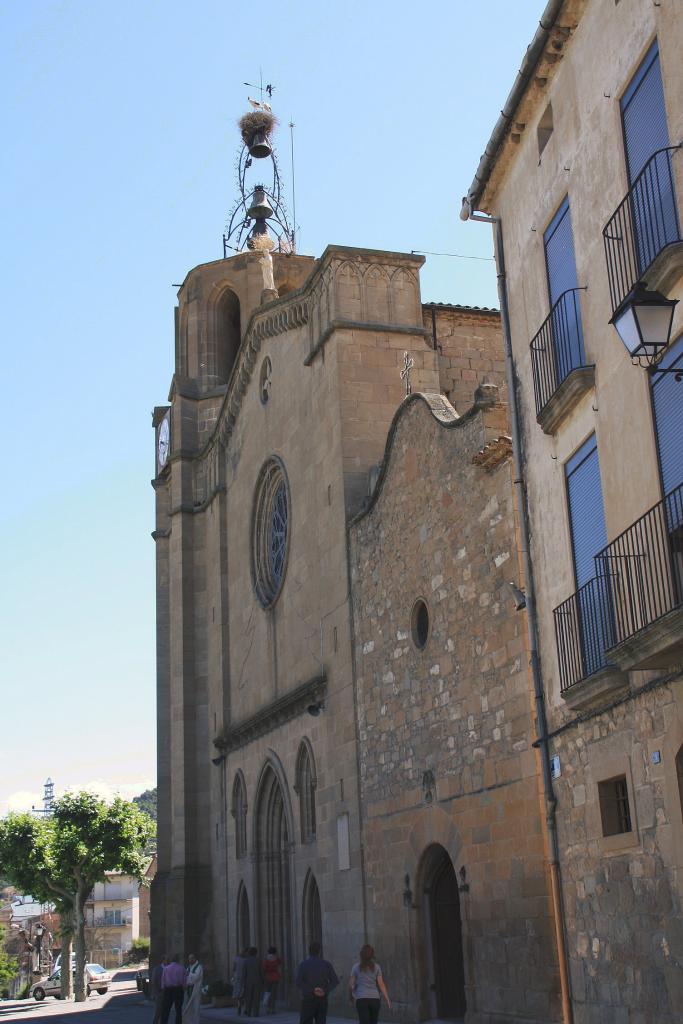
123,1004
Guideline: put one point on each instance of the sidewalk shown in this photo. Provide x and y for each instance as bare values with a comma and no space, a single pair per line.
229,1013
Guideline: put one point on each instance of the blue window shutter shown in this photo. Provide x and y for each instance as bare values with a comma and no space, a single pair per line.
667,401
653,200
561,267
586,510
644,114
559,253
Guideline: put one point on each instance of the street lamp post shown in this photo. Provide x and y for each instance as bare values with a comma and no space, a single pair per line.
39,932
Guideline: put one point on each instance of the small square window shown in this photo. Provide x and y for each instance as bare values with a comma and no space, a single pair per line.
615,811
545,129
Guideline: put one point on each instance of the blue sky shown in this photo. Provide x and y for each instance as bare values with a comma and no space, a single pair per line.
117,171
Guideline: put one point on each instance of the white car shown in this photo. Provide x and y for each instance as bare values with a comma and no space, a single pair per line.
97,979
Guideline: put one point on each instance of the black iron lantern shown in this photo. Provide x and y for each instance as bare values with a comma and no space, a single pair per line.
643,322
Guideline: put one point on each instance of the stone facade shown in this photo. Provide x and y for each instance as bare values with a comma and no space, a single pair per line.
614,713
446,731
467,339
318,777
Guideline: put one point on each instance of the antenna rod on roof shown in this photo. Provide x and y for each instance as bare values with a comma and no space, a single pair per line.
292,126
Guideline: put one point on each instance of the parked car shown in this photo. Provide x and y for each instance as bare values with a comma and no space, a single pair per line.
97,979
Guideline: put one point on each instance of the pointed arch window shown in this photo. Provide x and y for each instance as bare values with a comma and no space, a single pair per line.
243,920
239,813
305,787
312,917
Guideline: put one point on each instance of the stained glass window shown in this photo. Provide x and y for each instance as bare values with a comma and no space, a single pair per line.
270,532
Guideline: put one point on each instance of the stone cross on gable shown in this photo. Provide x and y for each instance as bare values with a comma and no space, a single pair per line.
408,364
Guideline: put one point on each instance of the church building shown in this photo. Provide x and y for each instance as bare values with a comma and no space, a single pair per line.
345,724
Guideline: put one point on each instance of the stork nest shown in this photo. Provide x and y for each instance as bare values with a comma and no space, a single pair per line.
256,121
260,243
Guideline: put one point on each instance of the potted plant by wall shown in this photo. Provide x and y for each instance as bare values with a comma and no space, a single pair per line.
221,994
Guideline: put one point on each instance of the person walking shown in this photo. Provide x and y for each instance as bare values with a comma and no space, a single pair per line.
315,979
272,974
193,990
253,983
238,979
173,986
155,989
367,987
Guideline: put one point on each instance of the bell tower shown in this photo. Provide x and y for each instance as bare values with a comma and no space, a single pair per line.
217,303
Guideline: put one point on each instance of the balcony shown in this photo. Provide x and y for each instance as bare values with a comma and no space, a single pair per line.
561,375
630,615
584,629
643,236
643,568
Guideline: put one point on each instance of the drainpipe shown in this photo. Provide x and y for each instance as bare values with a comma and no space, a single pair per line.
532,620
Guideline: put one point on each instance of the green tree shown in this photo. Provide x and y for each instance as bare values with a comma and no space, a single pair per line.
27,859
71,851
9,967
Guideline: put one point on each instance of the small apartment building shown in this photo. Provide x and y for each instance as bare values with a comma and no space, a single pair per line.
585,173
113,913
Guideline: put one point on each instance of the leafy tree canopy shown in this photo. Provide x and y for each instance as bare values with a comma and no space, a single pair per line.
59,859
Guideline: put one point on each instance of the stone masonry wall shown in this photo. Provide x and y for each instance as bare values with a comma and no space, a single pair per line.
470,347
622,892
446,732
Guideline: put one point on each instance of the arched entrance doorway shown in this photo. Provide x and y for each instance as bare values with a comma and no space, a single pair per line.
442,936
312,913
273,867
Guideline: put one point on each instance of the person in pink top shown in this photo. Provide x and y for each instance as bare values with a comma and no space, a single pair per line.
173,987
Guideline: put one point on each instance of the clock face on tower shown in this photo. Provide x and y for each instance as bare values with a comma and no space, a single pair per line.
163,442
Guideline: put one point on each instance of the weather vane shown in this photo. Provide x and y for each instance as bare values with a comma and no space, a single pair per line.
259,207
408,364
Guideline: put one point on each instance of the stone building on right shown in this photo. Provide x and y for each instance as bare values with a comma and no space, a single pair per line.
582,181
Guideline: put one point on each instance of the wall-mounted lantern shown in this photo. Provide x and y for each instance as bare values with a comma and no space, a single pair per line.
643,322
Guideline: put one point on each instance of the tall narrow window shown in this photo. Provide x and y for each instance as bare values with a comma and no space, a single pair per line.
667,402
305,785
243,922
239,813
563,292
646,136
589,536
227,337
545,128
312,914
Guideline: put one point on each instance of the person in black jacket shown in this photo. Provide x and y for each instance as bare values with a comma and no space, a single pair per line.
315,979
253,983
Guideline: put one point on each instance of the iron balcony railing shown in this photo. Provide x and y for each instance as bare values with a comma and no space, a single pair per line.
584,630
638,579
557,348
643,567
642,226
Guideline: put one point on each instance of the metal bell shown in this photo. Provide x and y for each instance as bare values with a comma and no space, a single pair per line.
260,208
260,146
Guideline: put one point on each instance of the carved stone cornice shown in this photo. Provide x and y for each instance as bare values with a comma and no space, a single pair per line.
282,709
